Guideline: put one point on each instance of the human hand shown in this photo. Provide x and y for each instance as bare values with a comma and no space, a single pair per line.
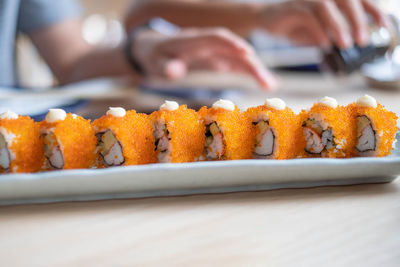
322,22
212,49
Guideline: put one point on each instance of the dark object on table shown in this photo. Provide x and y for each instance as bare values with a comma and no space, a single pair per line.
382,41
346,61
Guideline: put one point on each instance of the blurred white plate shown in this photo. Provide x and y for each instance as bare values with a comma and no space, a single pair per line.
90,89
382,74
194,178
35,101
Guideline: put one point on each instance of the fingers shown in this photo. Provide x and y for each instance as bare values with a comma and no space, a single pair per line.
168,68
210,50
223,37
334,23
213,64
227,36
310,32
356,12
174,69
210,37
253,66
247,64
225,62
319,36
357,18
322,19
376,13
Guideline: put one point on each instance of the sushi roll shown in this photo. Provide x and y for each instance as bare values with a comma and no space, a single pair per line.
228,132
327,130
178,132
276,129
21,149
69,141
124,138
374,128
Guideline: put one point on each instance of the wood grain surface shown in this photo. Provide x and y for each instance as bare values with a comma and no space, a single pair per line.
327,226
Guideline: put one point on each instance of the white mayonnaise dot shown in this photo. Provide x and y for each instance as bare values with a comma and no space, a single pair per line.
328,102
169,105
116,112
367,101
55,114
225,104
9,115
275,103
74,116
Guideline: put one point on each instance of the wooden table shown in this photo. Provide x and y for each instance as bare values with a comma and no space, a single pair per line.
329,226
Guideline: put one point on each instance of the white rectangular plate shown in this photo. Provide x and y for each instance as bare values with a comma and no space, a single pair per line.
194,178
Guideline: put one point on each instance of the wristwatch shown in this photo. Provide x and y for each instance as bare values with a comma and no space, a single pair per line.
155,24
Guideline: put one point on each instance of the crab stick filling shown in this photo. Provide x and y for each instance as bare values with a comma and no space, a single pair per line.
366,137
110,149
52,148
161,134
317,137
5,158
53,151
265,140
214,147
163,138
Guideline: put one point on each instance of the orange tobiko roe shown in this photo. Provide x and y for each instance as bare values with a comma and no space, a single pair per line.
342,129
186,130
135,134
77,140
287,130
236,128
384,123
26,146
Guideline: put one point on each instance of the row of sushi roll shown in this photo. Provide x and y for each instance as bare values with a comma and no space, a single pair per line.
178,134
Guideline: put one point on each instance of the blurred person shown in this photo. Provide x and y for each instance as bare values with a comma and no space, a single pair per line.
55,29
309,22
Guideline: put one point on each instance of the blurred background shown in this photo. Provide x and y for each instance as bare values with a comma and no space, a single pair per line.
102,24
301,80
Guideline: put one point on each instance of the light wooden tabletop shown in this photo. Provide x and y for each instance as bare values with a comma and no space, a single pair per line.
328,226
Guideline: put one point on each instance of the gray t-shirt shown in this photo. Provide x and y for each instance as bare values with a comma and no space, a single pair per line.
26,16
